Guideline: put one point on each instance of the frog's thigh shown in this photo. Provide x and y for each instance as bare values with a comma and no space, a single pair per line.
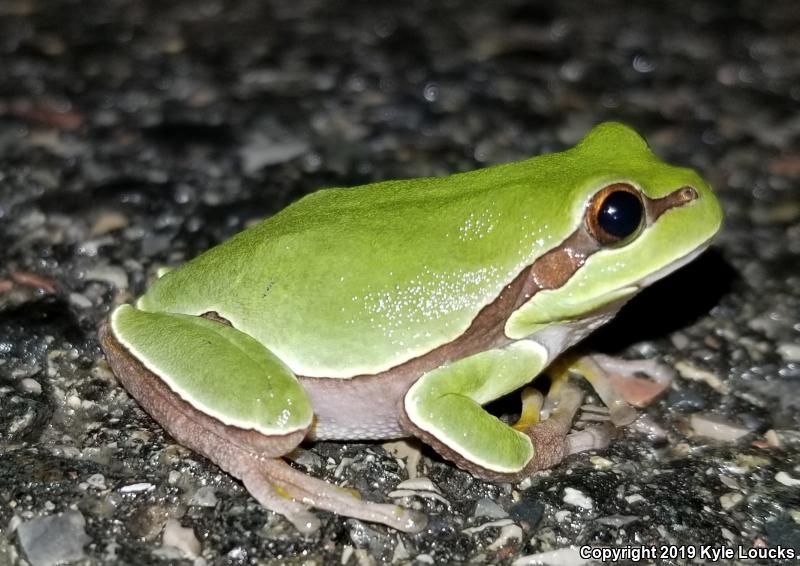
220,371
444,408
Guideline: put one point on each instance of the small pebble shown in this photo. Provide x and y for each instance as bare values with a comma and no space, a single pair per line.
730,500
786,479
528,511
563,515
80,301
347,554
635,498
136,487
109,274
686,401
306,458
204,497
400,553
680,341
397,493
601,463
716,427
488,508
577,498
727,534
647,426
261,151
693,373
772,438
507,535
15,522
55,539
789,352
729,481
108,222
182,538
97,481
30,385
408,450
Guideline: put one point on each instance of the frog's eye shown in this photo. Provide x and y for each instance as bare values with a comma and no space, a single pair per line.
616,214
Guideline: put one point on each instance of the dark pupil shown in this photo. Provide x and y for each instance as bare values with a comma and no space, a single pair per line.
621,214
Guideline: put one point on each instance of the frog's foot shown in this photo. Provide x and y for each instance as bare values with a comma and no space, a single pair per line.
620,383
551,436
268,496
287,491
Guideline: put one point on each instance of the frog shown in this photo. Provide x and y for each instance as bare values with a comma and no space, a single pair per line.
401,309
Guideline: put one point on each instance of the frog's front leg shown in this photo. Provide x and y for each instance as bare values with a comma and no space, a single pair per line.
219,392
444,409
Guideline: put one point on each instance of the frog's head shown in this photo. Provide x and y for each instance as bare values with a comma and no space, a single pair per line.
633,220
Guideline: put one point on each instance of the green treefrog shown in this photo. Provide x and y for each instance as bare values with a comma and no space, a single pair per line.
400,308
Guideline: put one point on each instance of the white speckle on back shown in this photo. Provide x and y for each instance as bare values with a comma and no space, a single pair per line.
429,296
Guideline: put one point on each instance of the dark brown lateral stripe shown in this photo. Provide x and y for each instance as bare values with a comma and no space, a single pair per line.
557,266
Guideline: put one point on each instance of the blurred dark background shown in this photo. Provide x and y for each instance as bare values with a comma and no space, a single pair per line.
135,134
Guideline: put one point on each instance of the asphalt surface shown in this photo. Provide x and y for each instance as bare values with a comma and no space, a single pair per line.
136,134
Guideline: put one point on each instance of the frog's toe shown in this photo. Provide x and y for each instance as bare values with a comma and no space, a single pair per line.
595,437
550,436
620,383
295,512
278,479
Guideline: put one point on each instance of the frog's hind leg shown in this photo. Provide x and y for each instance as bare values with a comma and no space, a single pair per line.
235,427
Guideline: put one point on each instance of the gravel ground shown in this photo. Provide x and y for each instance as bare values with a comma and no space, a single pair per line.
134,136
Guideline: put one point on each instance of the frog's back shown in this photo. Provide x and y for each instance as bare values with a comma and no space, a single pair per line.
352,281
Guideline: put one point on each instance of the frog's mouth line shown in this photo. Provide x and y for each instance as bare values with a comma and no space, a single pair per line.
620,295
674,266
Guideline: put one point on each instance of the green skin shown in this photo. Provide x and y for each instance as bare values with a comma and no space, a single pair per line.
356,282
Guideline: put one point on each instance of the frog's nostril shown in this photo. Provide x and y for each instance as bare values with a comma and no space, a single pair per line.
687,194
